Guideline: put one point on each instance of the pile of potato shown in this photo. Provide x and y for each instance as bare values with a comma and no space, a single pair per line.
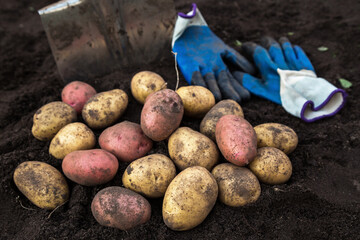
225,161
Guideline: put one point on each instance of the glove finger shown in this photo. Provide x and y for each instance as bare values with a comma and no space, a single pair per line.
243,93
275,51
304,60
239,61
226,88
289,53
212,85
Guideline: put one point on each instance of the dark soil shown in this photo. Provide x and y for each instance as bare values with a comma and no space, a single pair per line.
320,201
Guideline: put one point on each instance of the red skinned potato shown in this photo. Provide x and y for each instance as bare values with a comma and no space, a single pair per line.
76,94
162,114
121,208
90,167
236,139
126,141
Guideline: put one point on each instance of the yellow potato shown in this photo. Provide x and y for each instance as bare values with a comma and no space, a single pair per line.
197,100
150,175
271,166
105,108
276,135
238,186
50,118
72,137
189,198
42,184
222,108
144,83
190,148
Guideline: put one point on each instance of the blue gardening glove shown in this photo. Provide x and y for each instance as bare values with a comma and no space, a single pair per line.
201,57
289,79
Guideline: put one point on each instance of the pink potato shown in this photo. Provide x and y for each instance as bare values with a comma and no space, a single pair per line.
76,94
121,208
162,114
126,141
90,167
236,139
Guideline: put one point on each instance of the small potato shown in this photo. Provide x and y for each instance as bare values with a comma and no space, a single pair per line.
120,208
126,141
162,114
72,137
42,184
222,108
90,167
189,198
50,118
144,83
76,94
271,166
236,139
190,148
150,175
105,108
276,135
197,100
238,186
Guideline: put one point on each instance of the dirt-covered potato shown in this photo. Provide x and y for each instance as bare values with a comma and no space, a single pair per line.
76,94
144,83
42,184
50,118
162,114
105,108
197,100
150,175
188,148
72,137
276,135
222,108
120,208
189,198
271,166
238,186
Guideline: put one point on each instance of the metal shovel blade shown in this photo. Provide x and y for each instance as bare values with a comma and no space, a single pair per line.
91,38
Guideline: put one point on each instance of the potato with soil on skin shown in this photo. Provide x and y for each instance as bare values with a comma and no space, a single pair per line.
144,83
162,114
76,94
271,166
189,198
189,148
150,175
276,135
197,100
72,137
50,118
222,108
120,208
105,108
90,167
126,141
238,186
236,139
42,184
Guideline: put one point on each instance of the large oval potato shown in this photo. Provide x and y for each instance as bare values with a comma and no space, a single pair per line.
222,108
271,166
90,167
42,184
189,198
190,148
162,114
121,208
150,175
76,94
50,118
105,108
236,139
72,137
238,186
144,83
276,135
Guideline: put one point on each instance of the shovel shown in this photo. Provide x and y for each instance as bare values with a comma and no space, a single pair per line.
92,38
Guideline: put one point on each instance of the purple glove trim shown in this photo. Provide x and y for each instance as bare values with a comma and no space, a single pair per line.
311,103
183,15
